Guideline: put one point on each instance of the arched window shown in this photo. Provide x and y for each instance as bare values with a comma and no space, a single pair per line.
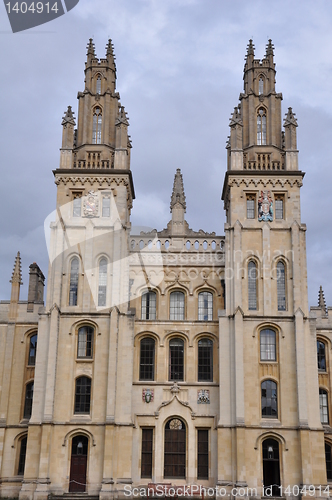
205,306
102,286
205,360
261,86
321,359
28,400
328,461
261,127
32,350
176,307
281,286
146,367
252,286
323,406
23,452
176,359
82,395
98,85
96,130
268,345
85,342
175,449
269,399
73,287
148,306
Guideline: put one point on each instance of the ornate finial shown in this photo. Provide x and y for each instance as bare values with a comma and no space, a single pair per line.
269,48
178,195
69,117
250,48
91,48
290,118
17,271
122,116
321,300
110,49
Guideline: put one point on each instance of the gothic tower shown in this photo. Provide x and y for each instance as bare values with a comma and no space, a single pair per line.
88,280
265,341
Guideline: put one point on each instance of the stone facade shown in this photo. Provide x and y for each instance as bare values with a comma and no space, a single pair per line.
174,357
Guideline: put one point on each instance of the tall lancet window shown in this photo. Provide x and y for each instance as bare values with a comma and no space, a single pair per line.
261,127
281,286
252,286
261,86
96,130
98,85
73,282
102,283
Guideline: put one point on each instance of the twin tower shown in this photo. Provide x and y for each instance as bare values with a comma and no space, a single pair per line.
170,358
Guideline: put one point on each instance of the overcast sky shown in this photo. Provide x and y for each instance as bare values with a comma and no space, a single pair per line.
180,72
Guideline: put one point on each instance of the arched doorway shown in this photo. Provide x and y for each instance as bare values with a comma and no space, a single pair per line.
175,449
78,464
271,468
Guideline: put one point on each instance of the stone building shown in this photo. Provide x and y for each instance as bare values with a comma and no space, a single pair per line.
174,357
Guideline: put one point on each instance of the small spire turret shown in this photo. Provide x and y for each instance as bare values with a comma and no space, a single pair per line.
250,48
17,271
91,49
321,300
269,49
69,117
178,195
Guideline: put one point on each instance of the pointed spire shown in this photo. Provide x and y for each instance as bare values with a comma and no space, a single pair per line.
110,50
178,195
91,48
321,300
269,48
17,271
290,118
250,48
69,117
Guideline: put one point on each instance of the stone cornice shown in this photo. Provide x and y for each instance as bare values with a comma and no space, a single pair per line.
263,178
89,176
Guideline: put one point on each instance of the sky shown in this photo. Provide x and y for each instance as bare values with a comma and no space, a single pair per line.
179,75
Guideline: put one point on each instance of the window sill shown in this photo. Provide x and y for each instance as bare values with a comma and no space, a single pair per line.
84,360
270,422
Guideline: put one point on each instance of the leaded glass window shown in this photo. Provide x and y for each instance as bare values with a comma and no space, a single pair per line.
77,204
147,356
73,287
328,461
149,305
85,342
269,399
252,286
176,309
202,454
106,206
268,345
205,306
23,452
281,286
251,201
279,207
102,285
32,350
147,448
261,86
96,128
98,85
176,359
28,400
321,359
323,406
261,127
205,357
82,395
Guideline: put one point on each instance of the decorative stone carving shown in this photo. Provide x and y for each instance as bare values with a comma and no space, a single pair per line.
203,396
90,204
147,395
265,206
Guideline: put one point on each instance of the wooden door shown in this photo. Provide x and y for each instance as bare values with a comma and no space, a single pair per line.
78,464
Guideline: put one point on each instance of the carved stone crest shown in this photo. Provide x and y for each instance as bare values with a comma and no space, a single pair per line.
265,206
90,204
203,397
147,395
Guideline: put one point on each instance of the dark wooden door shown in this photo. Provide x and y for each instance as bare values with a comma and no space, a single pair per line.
78,464
271,468
175,449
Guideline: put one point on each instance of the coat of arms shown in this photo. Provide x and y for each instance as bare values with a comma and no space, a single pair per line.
265,206
90,204
203,396
147,395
